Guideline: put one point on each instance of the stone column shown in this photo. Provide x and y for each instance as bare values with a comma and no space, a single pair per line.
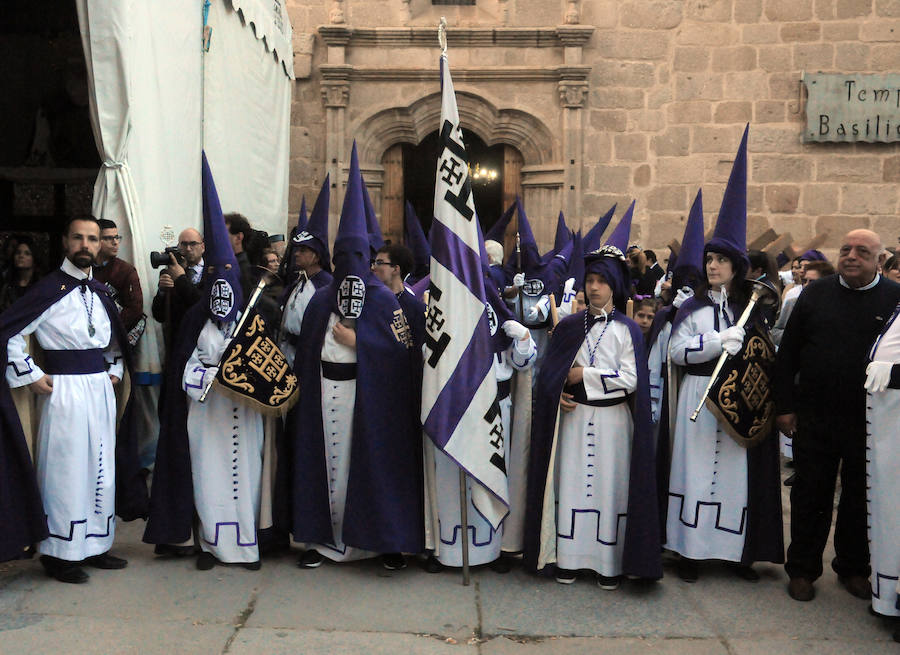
573,93
335,88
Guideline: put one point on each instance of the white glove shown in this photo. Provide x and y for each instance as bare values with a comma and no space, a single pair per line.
519,280
538,312
878,375
515,330
568,293
732,339
683,294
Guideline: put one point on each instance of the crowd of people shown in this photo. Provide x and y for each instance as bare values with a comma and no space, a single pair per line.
604,358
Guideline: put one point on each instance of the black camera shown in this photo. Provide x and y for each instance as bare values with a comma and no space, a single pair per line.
158,259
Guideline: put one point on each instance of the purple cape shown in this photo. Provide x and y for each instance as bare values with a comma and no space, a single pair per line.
765,535
642,543
384,510
22,519
172,501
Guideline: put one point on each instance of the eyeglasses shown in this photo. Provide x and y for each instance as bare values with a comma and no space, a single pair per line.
112,239
190,244
381,262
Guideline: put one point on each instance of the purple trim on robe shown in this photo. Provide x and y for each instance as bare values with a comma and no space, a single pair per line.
597,512
237,529
72,524
604,377
16,368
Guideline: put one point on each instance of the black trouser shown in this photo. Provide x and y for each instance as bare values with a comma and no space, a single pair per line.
818,451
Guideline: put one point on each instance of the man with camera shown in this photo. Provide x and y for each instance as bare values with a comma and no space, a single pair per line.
121,278
179,281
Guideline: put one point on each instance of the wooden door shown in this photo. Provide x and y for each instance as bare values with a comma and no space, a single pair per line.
392,194
512,187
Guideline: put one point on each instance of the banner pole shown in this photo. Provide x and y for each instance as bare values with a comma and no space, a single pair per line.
464,522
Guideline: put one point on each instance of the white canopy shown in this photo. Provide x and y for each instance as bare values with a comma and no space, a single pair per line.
147,75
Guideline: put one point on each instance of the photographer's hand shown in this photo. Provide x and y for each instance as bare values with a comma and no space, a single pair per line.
174,269
165,280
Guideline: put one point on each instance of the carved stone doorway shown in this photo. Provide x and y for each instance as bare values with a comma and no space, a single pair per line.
409,174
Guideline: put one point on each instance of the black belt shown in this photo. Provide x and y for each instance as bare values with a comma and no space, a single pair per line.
704,370
338,372
504,388
579,395
74,362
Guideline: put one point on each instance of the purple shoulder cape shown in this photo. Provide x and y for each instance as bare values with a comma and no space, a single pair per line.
765,535
22,519
642,542
385,506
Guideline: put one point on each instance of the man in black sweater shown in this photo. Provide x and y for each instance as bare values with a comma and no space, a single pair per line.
821,401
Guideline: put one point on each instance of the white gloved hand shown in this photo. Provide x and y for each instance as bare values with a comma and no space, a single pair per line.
878,375
732,339
515,330
568,293
683,294
519,280
538,312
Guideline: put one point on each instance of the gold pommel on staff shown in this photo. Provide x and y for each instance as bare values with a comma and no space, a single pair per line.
760,291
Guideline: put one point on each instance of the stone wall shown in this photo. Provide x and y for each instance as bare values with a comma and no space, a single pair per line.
672,83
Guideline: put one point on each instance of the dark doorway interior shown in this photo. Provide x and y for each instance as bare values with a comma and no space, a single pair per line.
419,165
48,159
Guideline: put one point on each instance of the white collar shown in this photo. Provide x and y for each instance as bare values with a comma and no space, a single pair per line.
865,288
74,271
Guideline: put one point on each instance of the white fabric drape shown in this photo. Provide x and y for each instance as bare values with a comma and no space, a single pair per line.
247,115
143,66
147,77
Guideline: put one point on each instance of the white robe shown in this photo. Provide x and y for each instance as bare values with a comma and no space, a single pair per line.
594,457
883,481
226,442
338,402
292,318
484,542
657,357
707,510
76,441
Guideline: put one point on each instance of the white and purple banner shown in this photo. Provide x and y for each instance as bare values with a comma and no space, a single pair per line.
460,411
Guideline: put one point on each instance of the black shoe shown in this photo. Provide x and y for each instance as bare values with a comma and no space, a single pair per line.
856,585
393,561
170,550
744,572
688,569
608,583
63,570
789,480
432,565
502,564
311,559
106,561
801,589
566,576
252,566
205,561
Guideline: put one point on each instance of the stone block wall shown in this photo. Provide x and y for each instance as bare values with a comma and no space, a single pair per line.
672,84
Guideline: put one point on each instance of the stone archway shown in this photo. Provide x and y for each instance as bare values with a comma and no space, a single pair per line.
530,167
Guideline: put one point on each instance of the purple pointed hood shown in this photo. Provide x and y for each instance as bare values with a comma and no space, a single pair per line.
351,249
563,234
417,242
315,235
302,218
498,229
376,240
576,261
531,257
620,236
592,240
687,270
730,235
225,297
